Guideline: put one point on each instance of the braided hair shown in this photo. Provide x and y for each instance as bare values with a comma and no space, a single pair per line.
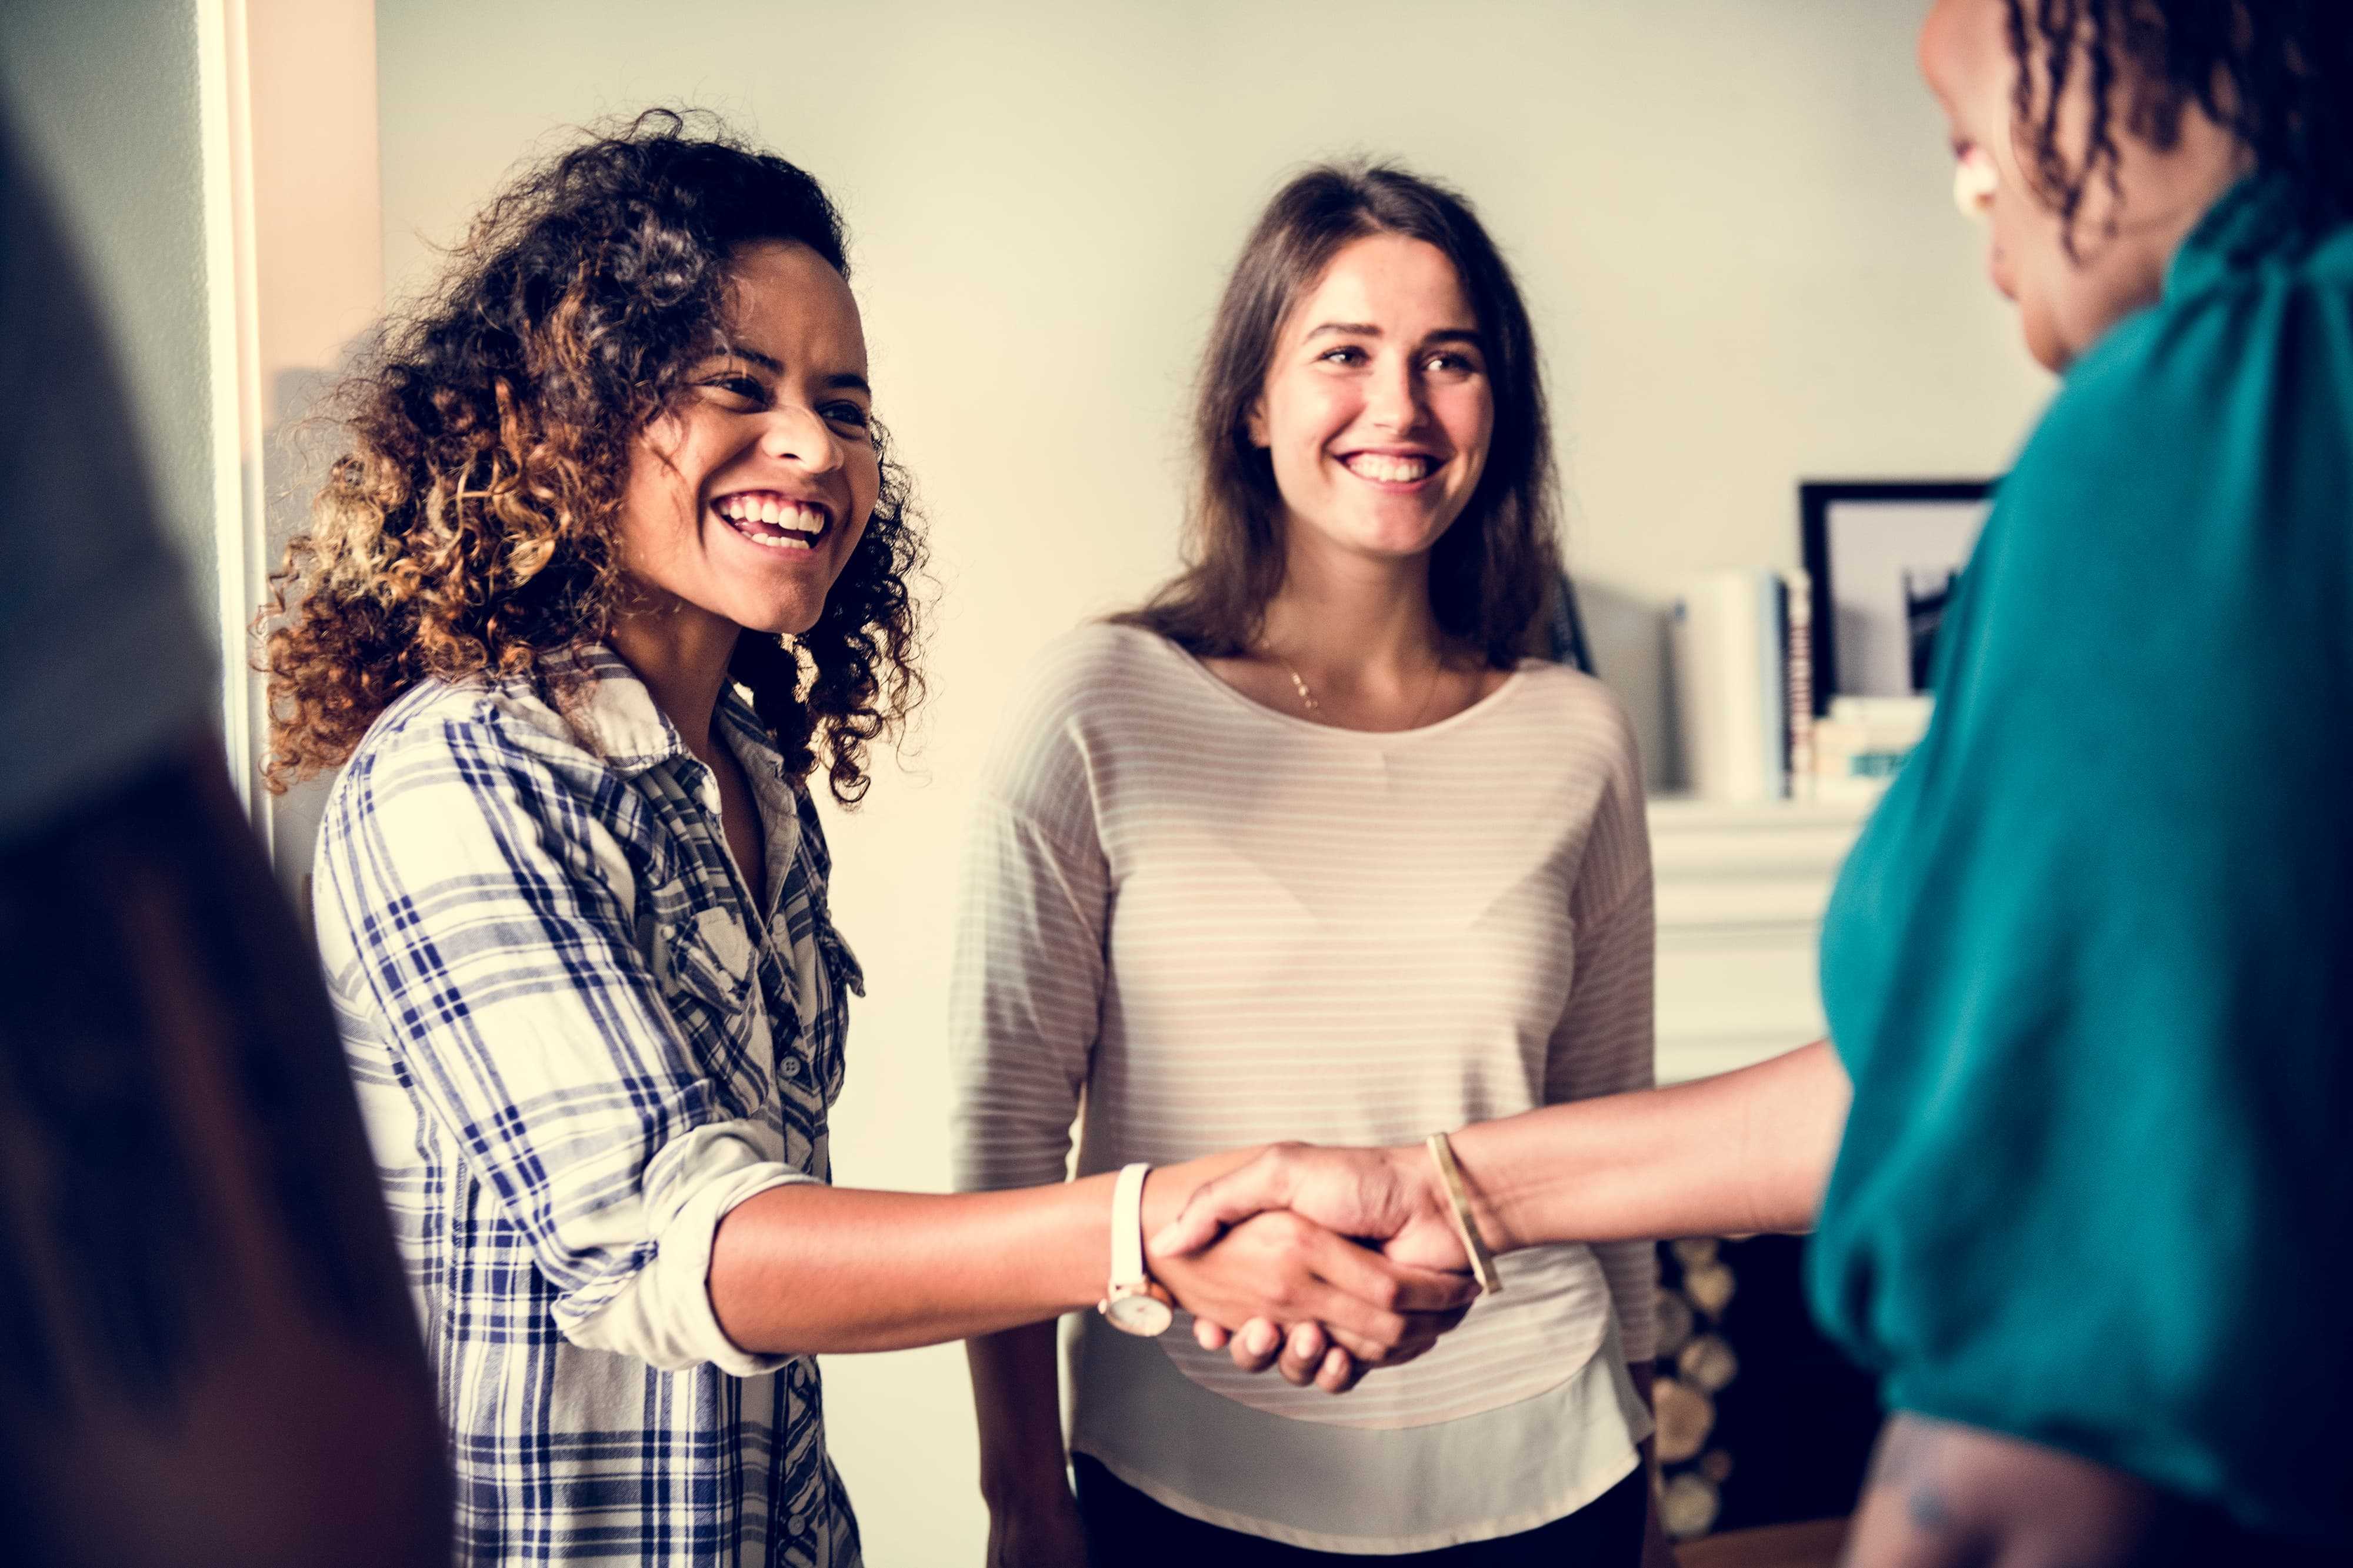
2276,74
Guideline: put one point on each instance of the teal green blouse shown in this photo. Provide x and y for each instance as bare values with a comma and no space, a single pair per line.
2091,963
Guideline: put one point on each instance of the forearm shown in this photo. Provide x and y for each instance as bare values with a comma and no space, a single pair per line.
1016,1395
810,1270
1742,1153
1941,1495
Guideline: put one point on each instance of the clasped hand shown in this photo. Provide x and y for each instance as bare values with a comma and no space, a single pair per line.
1261,1257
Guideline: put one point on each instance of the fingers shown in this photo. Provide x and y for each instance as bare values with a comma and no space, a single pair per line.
1253,1348
1305,1355
1302,1354
1266,1182
1345,1289
1333,1360
1339,1373
1332,1294
1392,1287
1417,1333
1372,1298
1373,1280
1426,1330
1423,1330
1433,1290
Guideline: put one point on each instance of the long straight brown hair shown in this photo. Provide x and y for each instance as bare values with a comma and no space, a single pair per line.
1489,572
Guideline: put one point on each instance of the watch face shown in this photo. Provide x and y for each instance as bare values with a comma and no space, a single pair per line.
1140,1314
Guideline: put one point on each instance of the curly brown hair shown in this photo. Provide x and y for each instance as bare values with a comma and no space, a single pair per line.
470,526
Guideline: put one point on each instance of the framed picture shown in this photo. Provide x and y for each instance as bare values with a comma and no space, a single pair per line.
1882,555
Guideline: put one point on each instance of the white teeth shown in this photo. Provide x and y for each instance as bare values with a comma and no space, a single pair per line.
783,541
774,511
1386,470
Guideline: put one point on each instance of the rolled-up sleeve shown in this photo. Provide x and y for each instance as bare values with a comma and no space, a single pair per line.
489,908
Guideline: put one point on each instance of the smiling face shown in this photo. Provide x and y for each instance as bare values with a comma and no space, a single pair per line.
1377,410
745,501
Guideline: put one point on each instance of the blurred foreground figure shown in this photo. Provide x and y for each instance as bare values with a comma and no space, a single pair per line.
206,1355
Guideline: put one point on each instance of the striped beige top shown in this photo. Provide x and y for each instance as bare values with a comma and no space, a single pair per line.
1225,925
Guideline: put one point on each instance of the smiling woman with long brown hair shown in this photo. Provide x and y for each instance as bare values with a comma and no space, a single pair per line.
615,560
1304,848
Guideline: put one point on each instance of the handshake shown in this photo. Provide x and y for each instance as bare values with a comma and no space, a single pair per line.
1326,1263
1329,1262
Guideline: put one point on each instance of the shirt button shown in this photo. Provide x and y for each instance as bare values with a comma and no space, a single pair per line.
792,1068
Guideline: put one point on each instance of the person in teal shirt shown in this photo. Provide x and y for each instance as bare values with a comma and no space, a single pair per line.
2080,1165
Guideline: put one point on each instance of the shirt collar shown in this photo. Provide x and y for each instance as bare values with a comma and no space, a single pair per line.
754,747
616,713
738,727
631,733
2253,220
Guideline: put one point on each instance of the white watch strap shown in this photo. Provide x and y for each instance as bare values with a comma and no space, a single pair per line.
1127,1228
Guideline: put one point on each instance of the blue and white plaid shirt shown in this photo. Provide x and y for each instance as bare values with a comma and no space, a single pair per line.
579,1045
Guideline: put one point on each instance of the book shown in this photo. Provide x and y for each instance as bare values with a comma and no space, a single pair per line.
1862,741
1798,670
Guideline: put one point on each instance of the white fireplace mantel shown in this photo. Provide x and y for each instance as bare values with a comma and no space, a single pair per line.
1741,889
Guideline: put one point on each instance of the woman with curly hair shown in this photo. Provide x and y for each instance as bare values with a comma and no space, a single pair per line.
616,558
2077,1163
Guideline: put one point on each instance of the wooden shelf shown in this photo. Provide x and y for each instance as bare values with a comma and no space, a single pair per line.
1688,810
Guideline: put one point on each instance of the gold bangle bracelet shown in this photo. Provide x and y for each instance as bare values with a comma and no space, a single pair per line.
1449,1175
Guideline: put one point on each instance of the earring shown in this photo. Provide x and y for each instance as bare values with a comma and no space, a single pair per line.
1975,180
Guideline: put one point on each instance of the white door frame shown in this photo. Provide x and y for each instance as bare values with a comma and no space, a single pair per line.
293,237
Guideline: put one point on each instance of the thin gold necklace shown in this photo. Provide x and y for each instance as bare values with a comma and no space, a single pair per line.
1307,698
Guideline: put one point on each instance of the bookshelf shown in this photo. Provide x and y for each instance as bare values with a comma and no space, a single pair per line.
1741,888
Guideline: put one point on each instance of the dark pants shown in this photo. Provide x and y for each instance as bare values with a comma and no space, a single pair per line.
1126,1529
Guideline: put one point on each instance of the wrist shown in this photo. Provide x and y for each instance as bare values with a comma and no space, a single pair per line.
1133,1300
1021,1472
1026,1488
1413,1175
1493,1207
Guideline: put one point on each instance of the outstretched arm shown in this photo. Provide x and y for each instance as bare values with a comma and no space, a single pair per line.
1741,1153
806,1269
669,1228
